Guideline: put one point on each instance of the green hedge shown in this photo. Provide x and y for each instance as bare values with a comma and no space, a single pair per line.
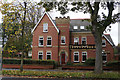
90,62
29,61
113,63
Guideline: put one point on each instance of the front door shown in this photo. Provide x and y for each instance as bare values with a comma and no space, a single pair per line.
63,58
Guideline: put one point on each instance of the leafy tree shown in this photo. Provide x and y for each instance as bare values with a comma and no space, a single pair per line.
98,22
18,21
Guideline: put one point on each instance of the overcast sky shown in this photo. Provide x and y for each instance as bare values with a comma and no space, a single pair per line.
73,15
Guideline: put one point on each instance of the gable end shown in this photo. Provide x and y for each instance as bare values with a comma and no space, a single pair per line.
42,18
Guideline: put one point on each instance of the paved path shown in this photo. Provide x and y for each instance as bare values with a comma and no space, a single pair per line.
49,70
14,78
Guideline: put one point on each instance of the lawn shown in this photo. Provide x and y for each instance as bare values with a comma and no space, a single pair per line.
60,74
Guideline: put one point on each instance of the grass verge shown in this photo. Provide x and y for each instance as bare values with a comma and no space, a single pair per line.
60,74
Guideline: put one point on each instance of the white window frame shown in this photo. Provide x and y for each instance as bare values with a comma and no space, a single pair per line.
105,55
39,42
76,40
105,43
82,39
64,39
49,54
45,27
82,27
40,54
47,40
77,55
75,27
84,54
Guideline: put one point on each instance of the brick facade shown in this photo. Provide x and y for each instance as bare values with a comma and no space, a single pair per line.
62,53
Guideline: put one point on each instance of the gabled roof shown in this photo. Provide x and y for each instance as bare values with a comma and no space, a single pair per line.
109,39
79,22
50,20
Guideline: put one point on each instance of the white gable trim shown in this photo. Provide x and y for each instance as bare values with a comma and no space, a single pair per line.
50,20
107,39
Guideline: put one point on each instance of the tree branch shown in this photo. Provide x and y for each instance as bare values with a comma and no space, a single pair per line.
96,7
90,7
107,22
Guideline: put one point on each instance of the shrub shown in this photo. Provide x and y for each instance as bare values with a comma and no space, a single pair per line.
90,62
69,63
29,61
11,61
79,64
74,64
113,63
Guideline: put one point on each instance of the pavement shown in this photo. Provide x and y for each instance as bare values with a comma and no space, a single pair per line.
14,78
49,70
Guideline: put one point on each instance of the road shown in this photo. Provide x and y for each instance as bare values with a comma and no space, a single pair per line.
14,78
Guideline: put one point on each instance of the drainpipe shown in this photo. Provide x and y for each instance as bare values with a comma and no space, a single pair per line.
58,49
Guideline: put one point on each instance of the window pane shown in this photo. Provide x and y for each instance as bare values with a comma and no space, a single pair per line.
45,27
40,57
76,40
63,39
84,57
41,41
104,57
83,41
40,53
48,42
82,27
49,39
103,42
75,27
48,57
75,57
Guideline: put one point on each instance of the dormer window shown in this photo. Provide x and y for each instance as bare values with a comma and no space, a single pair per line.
103,43
45,27
82,27
75,27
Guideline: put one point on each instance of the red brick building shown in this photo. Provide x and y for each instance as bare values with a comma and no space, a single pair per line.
65,39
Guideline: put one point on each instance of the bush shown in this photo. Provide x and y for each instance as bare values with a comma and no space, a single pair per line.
113,63
28,61
11,61
79,64
90,62
69,63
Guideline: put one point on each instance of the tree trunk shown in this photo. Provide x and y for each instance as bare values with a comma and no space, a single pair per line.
98,60
21,66
23,25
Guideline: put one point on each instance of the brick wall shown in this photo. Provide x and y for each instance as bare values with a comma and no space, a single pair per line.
51,32
63,25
